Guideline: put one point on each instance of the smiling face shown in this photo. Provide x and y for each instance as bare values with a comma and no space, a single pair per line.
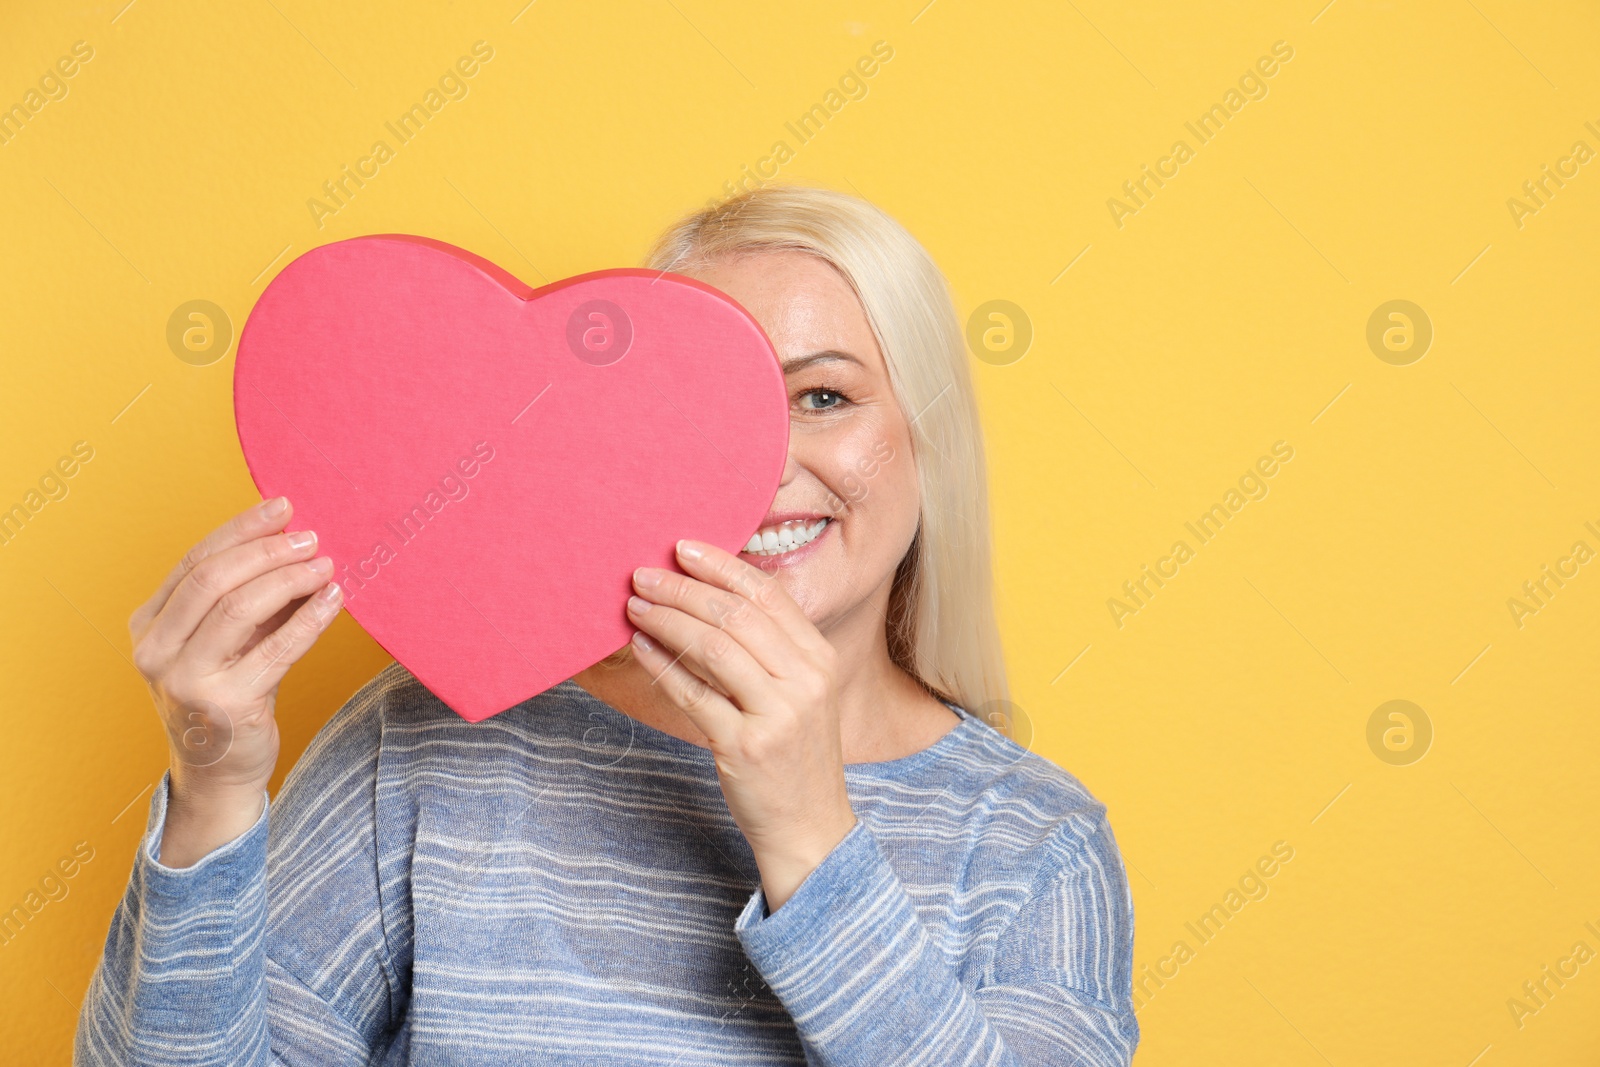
846,511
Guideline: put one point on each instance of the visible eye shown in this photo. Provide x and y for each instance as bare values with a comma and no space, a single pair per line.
824,399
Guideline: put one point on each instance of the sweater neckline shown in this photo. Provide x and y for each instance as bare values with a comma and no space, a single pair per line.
643,733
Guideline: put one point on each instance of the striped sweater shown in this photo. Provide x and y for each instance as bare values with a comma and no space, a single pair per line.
561,884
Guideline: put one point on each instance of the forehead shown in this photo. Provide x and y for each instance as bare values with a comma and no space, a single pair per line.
803,303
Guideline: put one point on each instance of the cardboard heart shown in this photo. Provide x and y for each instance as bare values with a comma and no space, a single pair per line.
486,463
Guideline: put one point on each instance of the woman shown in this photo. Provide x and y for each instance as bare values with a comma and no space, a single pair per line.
769,830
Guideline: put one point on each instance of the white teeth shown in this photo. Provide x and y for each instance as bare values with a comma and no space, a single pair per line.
785,537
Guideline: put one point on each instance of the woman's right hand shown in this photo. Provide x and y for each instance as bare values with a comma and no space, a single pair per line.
213,643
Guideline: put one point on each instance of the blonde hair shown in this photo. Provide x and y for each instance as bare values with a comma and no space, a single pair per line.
941,621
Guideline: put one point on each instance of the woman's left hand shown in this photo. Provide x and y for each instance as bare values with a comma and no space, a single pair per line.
733,650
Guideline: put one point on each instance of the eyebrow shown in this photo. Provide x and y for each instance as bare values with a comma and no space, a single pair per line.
828,356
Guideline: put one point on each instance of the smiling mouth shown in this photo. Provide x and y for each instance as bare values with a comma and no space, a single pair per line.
785,537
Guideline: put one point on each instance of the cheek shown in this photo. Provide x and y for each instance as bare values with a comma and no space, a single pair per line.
871,473
899,495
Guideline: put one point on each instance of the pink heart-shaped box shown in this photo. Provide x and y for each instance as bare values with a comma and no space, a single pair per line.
486,463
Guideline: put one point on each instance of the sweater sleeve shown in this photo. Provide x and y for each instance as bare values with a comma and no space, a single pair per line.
269,950
866,985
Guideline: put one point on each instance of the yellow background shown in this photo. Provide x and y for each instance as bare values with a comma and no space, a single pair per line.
1229,313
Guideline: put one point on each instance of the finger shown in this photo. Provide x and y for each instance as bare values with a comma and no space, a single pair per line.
208,581
268,517
711,653
712,712
725,570
222,634
752,627
265,665
277,620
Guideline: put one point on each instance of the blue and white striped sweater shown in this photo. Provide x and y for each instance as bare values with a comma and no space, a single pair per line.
561,884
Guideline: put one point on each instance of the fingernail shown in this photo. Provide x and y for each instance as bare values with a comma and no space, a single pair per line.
690,550
302,539
642,641
321,565
271,509
646,578
638,605
326,602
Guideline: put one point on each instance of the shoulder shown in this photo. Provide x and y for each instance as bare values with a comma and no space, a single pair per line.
390,715
1066,851
1025,798
353,734
402,724
1071,914
394,697
394,748
394,702
985,818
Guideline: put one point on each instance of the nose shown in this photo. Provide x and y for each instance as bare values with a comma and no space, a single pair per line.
790,467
